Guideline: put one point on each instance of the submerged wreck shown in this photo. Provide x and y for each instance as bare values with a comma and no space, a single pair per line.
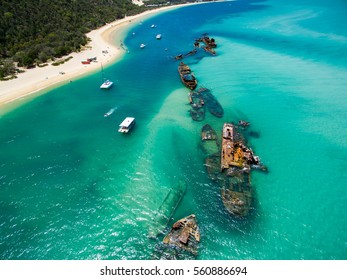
187,77
184,234
209,140
181,56
237,194
230,167
210,146
197,112
211,102
208,133
235,153
209,50
167,208
209,44
236,163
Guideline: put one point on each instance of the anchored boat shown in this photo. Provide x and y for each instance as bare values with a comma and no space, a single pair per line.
107,83
126,125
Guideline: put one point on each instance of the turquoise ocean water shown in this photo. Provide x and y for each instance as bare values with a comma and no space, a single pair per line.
72,187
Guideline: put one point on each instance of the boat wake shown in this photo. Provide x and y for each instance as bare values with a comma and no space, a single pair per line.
110,112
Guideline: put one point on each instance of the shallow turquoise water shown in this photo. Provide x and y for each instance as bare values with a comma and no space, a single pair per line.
72,187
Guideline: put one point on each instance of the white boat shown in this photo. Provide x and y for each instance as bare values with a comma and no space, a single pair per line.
126,125
109,112
153,26
106,85
142,46
158,36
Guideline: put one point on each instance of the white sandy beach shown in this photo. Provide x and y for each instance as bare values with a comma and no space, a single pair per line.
39,78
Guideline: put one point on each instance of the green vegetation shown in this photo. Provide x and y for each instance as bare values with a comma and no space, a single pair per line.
61,61
33,32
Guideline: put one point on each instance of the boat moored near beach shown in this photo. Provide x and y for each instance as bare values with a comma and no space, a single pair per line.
126,125
106,85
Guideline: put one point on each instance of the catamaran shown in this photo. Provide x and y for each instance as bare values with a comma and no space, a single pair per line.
107,83
126,125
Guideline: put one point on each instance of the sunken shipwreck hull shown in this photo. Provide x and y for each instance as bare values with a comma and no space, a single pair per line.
212,164
237,194
209,140
167,208
187,77
212,103
197,111
208,133
235,165
184,234
230,167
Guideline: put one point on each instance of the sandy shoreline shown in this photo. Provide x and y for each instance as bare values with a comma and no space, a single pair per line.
102,39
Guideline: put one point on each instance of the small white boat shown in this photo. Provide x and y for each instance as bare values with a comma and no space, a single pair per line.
106,85
126,125
142,46
153,26
158,36
109,112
